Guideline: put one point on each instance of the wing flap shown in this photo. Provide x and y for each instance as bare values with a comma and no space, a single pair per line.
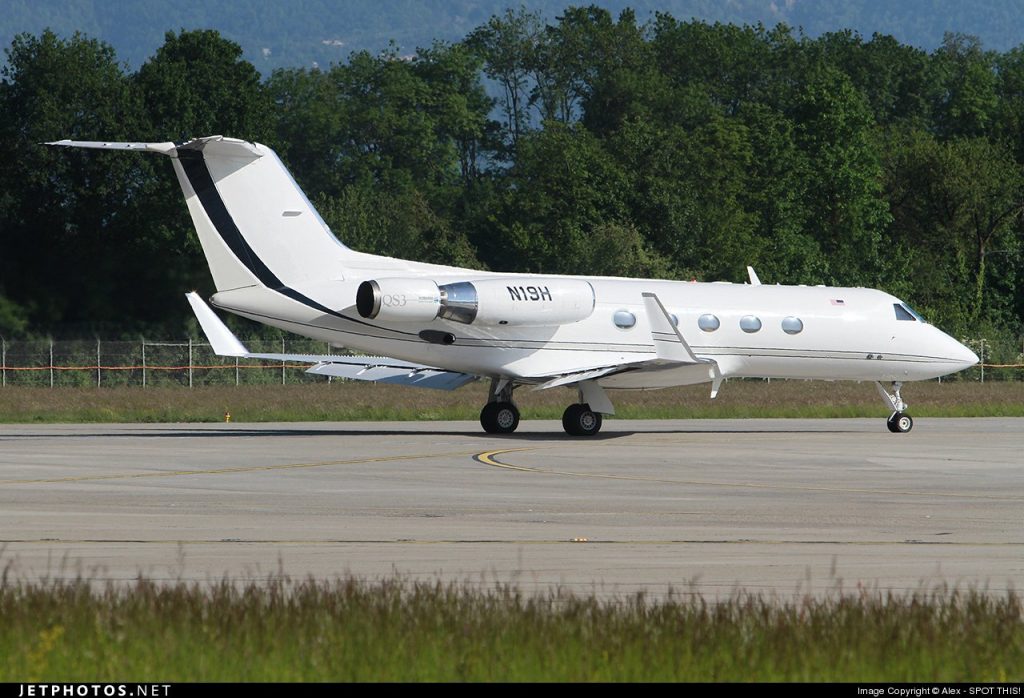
421,377
570,378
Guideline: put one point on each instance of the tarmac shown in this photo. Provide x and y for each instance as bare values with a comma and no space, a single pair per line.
780,507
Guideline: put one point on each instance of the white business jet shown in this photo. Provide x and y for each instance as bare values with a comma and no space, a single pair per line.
274,260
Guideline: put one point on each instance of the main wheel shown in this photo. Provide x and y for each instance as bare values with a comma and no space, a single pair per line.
899,423
499,417
580,420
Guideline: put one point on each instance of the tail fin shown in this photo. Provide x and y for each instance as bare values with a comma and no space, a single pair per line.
255,225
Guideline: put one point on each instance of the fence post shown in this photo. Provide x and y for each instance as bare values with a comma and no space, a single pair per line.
143,362
236,371
329,377
282,361
982,362
189,362
51,362
3,349
98,362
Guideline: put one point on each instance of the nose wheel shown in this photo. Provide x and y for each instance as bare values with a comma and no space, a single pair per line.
899,423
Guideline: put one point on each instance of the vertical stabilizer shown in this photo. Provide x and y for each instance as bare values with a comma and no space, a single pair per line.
255,225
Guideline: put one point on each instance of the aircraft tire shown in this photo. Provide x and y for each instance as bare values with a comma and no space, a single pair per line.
580,420
499,417
899,423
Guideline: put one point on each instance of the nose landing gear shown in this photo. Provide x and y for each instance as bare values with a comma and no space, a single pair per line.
898,422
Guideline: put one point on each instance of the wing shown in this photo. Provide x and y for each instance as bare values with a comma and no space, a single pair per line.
378,369
672,350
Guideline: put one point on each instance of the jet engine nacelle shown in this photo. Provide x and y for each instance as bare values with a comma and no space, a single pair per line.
399,300
534,301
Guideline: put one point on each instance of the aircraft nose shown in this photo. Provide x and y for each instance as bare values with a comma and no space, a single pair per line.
961,355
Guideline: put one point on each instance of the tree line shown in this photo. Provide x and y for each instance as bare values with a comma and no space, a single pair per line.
587,144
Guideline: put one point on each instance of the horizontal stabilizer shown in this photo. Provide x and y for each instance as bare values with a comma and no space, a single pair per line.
164,148
223,341
231,147
366,368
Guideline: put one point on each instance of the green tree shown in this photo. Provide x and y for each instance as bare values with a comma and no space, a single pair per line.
506,44
778,175
395,224
68,238
684,193
956,205
848,213
967,98
563,186
197,84
621,80
1009,115
897,80
416,129
13,318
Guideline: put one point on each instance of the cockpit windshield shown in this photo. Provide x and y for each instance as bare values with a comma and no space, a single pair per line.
906,313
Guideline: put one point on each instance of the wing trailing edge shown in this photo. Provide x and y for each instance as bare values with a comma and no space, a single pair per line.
671,349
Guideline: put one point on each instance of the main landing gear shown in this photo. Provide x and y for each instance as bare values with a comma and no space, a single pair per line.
580,420
898,422
501,416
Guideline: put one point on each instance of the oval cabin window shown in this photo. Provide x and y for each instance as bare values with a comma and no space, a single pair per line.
792,325
708,322
624,319
750,324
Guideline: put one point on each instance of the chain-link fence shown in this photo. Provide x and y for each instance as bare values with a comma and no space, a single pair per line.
1001,360
144,363
190,363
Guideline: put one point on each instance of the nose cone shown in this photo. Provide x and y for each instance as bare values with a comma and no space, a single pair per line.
960,356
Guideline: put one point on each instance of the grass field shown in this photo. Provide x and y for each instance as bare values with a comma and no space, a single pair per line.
348,401
395,631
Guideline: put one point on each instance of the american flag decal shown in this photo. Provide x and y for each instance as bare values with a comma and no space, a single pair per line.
838,301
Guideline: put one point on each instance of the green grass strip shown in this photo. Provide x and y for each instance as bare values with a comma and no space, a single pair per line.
348,630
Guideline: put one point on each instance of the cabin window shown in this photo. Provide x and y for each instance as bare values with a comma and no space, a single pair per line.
750,324
708,322
624,319
792,325
675,320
